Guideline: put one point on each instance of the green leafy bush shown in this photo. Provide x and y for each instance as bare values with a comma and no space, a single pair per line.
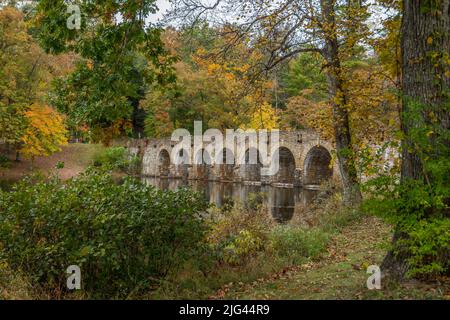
242,246
4,161
123,236
420,214
117,158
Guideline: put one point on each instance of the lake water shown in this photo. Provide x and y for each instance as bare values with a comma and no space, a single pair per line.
282,203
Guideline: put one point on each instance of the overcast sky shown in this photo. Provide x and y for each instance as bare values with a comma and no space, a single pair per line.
163,6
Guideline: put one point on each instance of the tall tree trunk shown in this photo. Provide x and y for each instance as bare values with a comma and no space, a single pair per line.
425,31
338,95
425,48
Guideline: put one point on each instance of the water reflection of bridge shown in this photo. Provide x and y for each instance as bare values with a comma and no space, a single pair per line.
283,203
304,159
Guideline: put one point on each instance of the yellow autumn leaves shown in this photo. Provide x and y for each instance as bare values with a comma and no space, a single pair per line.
233,78
45,132
26,74
220,90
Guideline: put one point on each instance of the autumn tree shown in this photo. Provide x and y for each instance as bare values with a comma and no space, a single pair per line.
26,74
373,103
218,92
305,96
17,66
45,132
120,56
284,29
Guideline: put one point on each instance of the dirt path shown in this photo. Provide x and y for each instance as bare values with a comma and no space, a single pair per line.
339,274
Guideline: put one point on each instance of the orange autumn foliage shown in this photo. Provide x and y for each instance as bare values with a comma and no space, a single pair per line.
45,133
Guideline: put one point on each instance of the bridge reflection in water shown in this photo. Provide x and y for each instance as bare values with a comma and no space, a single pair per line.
283,203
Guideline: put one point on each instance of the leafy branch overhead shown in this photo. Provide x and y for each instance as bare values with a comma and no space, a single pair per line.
120,54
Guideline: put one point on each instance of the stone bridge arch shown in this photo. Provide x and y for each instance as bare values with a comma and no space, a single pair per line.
182,163
286,173
250,167
225,164
317,166
164,163
202,165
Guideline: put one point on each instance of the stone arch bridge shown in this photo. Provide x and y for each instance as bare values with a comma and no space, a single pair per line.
304,159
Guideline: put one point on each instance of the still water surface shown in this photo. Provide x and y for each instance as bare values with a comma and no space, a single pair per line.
283,203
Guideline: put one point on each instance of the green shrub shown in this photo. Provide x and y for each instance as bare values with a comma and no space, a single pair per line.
296,243
4,161
245,244
429,246
254,201
123,236
420,213
116,158
59,165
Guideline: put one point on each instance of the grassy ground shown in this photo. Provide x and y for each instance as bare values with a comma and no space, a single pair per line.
339,274
76,157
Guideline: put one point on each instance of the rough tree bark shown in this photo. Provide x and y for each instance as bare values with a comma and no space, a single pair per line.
425,38
347,167
424,31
